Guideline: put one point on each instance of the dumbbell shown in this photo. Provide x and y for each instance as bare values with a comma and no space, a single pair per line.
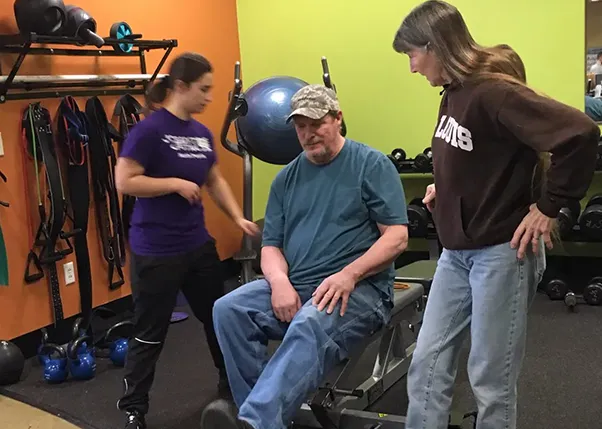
556,289
568,217
592,293
397,157
590,221
424,161
418,218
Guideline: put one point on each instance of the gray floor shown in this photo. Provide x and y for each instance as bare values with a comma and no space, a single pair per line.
561,384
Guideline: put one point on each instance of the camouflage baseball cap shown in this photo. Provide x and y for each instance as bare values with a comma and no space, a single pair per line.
313,101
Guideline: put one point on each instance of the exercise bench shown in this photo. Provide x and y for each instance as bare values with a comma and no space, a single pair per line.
334,408
330,406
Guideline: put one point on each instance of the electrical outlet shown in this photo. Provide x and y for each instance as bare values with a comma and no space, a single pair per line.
69,273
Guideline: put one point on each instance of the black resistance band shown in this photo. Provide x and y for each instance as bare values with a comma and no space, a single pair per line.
106,199
38,136
129,112
72,138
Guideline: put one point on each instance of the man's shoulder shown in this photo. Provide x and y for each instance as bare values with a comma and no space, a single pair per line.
364,151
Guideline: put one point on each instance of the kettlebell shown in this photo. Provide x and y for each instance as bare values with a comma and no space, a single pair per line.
76,332
55,369
43,17
82,363
45,340
118,348
81,24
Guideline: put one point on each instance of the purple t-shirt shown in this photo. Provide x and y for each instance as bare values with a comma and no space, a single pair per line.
167,146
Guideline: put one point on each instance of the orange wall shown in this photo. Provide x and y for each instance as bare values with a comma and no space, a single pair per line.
205,26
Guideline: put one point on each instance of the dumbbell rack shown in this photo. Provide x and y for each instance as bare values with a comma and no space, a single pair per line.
422,163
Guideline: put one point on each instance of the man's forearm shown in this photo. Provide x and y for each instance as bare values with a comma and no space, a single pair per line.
380,256
273,264
222,195
146,187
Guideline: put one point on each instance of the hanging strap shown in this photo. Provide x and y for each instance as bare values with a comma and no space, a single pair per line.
72,139
106,198
3,255
128,111
39,145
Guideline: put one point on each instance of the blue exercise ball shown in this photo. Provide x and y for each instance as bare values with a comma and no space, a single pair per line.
263,131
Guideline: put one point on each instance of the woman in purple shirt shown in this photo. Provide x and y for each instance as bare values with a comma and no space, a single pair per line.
165,161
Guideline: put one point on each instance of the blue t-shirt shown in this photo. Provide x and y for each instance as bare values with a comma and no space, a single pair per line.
324,217
167,146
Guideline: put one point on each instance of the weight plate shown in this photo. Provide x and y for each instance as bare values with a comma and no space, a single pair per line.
121,30
592,294
418,218
399,154
595,200
557,289
590,222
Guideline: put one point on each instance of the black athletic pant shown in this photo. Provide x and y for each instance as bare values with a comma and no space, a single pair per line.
156,282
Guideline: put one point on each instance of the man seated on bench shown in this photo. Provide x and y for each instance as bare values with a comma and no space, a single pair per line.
335,222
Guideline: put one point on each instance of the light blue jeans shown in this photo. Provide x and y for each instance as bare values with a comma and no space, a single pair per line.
485,293
269,393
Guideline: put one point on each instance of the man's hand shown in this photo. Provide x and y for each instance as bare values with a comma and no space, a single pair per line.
534,225
285,300
337,286
429,197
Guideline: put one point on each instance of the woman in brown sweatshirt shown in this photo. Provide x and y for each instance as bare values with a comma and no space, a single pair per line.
490,135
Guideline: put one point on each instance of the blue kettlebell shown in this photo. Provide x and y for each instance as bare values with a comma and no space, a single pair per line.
55,370
118,348
76,332
45,340
82,363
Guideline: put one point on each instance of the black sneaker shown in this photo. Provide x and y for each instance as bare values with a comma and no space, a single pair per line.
222,414
134,420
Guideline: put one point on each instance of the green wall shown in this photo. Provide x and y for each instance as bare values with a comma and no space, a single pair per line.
384,104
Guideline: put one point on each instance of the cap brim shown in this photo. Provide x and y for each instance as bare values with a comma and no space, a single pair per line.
308,112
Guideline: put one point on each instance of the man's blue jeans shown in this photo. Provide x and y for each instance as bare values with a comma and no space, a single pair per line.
269,393
485,293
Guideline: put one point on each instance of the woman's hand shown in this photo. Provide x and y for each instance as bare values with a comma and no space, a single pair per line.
534,225
248,227
429,197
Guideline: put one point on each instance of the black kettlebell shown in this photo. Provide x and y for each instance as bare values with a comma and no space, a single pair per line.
418,218
81,24
423,162
12,363
43,17
590,222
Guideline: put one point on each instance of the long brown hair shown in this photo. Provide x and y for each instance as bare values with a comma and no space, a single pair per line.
440,28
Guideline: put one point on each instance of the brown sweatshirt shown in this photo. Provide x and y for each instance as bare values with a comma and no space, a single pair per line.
485,148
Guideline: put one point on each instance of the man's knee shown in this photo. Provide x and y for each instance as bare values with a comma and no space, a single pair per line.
250,296
341,331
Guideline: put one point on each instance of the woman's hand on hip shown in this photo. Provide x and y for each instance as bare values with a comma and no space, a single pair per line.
429,197
534,225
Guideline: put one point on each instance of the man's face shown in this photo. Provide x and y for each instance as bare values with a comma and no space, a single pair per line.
319,137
